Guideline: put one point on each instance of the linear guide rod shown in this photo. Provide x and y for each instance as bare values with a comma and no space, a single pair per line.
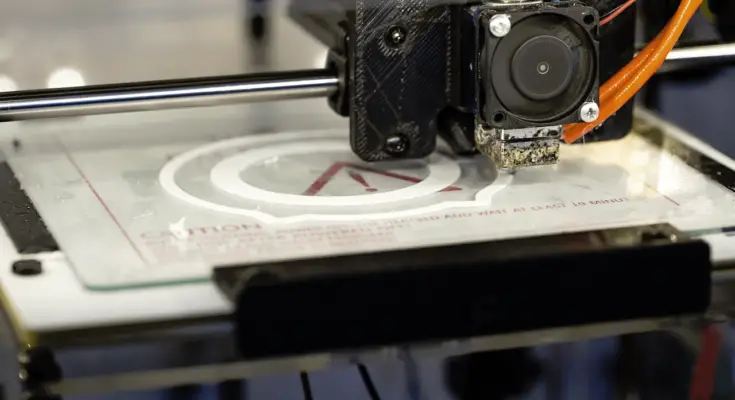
157,95
248,88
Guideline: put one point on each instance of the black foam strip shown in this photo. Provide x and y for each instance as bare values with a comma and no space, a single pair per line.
21,219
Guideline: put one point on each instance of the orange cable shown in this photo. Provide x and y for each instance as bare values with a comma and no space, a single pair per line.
608,18
639,71
621,77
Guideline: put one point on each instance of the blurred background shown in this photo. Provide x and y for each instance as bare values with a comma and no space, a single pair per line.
59,43
102,41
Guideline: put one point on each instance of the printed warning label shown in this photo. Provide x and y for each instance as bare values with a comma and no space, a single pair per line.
170,212
225,243
355,172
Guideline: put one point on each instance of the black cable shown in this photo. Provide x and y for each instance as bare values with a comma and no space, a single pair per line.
514,372
231,390
369,385
306,386
184,392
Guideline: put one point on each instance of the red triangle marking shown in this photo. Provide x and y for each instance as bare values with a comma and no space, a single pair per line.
335,168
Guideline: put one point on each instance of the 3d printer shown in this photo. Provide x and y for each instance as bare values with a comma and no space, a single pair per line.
508,78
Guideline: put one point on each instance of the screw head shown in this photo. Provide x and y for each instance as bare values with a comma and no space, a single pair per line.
500,25
396,36
396,145
589,112
27,267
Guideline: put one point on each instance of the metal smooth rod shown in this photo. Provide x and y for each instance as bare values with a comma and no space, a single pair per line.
198,92
157,95
699,57
709,52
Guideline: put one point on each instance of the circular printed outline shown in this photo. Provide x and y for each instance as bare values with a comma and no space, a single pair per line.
167,180
225,175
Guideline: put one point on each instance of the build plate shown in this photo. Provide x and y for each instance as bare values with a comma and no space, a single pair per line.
161,198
